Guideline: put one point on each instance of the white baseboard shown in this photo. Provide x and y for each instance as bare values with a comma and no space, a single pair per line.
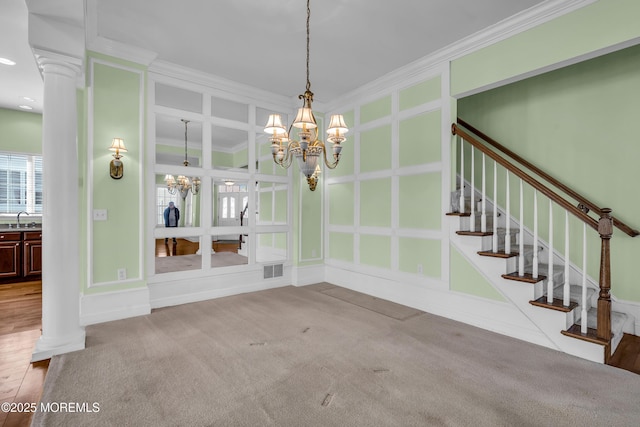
47,347
108,306
307,275
184,291
495,316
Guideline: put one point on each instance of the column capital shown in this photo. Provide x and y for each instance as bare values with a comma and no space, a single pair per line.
51,62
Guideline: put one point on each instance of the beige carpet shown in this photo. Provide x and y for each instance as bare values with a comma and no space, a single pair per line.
193,262
299,357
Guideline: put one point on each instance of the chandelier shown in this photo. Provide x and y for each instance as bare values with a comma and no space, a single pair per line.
308,148
183,183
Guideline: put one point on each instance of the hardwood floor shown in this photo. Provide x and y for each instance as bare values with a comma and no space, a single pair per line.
186,247
20,323
627,355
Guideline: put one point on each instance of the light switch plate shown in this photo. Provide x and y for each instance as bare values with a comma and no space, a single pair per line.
99,214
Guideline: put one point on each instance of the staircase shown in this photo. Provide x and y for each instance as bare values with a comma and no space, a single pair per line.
571,311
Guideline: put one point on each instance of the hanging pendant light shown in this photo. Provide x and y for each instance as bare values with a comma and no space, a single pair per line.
308,148
183,184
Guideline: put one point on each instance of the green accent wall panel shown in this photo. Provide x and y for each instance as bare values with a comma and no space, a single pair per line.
419,201
375,110
341,246
375,251
375,203
375,149
420,139
466,279
415,254
341,201
116,104
21,131
421,93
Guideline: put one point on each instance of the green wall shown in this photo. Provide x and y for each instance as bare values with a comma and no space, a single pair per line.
21,131
466,279
599,25
116,113
574,123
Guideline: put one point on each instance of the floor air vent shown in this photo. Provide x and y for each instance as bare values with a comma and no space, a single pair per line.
273,271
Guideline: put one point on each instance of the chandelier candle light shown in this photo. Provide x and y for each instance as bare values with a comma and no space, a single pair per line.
183,184
309,148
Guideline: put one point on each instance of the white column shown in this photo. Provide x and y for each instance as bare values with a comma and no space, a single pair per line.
61,330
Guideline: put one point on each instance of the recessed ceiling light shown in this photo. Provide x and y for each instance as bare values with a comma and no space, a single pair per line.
26,98
6,61
25,107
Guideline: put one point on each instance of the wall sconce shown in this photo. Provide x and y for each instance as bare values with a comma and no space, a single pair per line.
116,168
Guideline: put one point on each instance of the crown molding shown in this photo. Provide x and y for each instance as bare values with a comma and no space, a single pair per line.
119,50
220,84
431,64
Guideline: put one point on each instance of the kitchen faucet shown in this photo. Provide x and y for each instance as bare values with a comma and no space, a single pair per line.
18,220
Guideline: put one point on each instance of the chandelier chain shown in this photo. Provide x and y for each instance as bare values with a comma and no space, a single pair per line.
186,161
308,16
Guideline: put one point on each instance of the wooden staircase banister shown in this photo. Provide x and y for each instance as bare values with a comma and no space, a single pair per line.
552,195
604,225
572,193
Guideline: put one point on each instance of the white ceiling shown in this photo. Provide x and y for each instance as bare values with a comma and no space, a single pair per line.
262,43
22,79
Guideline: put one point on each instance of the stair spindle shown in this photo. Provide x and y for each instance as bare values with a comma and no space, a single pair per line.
462,175
521,235
566,289
583,322
507,235
550,261
495,208
472,218
535,234
483,217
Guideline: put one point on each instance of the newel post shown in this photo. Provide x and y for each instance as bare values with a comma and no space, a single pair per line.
605,229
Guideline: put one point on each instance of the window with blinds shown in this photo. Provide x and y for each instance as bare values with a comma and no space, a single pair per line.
20,183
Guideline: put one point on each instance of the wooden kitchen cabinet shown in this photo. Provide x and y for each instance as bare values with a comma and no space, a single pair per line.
10,255
32,253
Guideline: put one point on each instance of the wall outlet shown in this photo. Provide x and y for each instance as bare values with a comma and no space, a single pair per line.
419,268
122,274
313,253
99,214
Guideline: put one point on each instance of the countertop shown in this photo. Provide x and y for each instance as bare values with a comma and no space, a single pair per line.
23,227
